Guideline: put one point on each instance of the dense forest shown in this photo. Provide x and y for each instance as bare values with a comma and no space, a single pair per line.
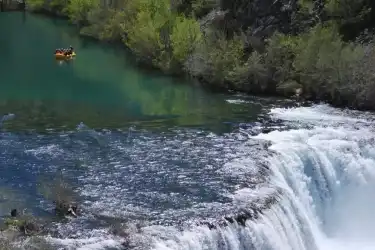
315,49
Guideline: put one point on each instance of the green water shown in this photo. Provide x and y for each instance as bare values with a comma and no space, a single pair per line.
100,87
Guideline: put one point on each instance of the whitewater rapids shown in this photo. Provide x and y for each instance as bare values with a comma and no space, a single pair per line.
320,164
325,168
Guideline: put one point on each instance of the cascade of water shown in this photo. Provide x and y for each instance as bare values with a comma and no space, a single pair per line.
326,175
322,172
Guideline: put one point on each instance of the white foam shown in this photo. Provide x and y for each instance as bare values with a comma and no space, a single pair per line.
327,177
247,195
96,241
237,101
321,115
329,173
50,150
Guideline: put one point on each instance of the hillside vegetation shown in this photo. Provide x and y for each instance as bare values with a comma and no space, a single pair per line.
317,49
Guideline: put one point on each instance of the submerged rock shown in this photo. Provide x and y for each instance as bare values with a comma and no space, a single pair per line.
66,208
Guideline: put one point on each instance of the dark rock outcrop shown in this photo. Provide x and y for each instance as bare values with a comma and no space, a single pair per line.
261,18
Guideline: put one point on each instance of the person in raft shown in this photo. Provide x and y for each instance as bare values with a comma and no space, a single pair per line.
66,52
69,51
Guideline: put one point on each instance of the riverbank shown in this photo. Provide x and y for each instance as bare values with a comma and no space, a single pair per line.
306,58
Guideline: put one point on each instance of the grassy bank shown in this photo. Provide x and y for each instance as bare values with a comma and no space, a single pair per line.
314,53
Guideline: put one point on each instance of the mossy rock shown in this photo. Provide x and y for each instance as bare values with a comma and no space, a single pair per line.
25,226
14,222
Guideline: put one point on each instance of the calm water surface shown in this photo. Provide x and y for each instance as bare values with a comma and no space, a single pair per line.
99,88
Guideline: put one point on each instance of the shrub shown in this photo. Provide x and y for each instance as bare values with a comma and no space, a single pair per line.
78,10
251,76
279,58
322,64
321,61
36,4
145,31
360,87
109,29
215,58
186,34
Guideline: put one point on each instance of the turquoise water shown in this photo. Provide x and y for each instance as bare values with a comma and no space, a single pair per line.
100,87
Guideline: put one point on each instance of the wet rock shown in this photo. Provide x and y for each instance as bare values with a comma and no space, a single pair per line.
261,18
210,225
267,130
65,208
131,234
14,213
118,231
30,228
240,217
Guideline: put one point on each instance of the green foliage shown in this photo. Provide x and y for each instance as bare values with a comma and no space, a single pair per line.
251,76
77,10
36,4
109,29
318,61
58,5
186,34
226,56
216,59
54,6
346,9
322,59
17,223
147,33
279,56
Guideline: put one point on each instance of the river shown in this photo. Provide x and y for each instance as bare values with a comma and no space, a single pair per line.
158,156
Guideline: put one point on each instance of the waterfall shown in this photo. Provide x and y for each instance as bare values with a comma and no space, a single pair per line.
312,181
325,169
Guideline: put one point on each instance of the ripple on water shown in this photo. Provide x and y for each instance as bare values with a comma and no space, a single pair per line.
168,181
167,178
